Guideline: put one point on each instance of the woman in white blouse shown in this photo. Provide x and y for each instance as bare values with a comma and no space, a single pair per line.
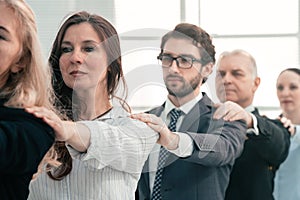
287,182
108,148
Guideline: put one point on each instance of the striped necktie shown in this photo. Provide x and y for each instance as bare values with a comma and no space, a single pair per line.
163,155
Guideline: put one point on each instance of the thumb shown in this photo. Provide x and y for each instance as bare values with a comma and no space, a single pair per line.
217,105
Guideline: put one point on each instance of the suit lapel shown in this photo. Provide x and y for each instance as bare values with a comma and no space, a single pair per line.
193,117
200,109
192,121
158,110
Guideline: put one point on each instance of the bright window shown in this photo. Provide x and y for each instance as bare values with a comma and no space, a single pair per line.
267,29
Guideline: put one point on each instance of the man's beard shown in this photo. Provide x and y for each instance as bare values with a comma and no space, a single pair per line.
185,89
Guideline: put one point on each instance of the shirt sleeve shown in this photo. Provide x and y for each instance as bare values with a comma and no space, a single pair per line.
255,129
121,143
185,145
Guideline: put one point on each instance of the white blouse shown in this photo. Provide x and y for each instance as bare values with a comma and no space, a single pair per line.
111,167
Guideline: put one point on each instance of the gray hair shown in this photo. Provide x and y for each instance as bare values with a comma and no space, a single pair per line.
240,52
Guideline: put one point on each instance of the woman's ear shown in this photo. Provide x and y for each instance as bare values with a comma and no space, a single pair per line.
20,64
16,68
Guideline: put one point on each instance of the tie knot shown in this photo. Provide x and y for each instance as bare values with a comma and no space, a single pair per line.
175,114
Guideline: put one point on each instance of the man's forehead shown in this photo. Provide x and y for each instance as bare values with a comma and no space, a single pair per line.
233,63
230,68
180,46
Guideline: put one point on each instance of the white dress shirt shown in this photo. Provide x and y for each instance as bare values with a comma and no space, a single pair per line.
111,167
255,129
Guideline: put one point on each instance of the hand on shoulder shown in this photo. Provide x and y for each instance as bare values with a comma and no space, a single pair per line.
231,111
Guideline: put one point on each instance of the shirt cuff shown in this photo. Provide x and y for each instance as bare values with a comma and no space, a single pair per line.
185,145
255,129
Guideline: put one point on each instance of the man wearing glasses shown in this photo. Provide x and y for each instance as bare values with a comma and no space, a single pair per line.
195,153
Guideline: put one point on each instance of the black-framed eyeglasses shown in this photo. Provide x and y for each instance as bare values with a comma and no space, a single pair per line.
184,62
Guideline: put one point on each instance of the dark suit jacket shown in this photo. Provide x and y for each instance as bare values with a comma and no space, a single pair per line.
24,140
205,174
253,173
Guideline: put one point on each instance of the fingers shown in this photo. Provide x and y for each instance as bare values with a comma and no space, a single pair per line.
291,129
217,105
39,112
147,118
220,112
64,130
224,111
230,111
166,137
42,112
231,115
154,122
48,116
287,124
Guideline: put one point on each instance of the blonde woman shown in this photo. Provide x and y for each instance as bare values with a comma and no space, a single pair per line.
24,82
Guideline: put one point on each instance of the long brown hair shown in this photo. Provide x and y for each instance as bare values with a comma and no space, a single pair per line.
110,40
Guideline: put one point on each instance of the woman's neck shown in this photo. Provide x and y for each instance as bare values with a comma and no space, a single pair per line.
92,104
294,116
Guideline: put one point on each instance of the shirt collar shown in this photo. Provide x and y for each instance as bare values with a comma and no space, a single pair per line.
250,108
185,107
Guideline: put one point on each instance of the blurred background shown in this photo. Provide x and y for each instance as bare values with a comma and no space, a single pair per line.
268,29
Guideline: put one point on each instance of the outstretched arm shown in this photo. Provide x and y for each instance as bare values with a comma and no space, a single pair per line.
220,144
167,138
75,134
121,142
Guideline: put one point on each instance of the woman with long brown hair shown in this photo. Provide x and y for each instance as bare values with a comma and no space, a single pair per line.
109,148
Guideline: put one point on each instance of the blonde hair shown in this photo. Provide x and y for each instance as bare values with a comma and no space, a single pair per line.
31,86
